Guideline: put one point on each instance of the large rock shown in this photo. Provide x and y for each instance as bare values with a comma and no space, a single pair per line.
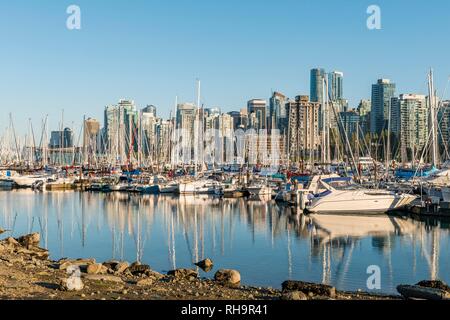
435,284
102,277
81,263
307,287
188,274
12,241
121,267
154,275
146,282
96,268
71,284
420,292
111,264
138,269
206,264
36,252
30,240
426,289
228,277
294,295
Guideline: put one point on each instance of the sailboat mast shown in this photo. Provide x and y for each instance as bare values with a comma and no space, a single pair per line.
324,122
174,136
327,123
15,137
432,106
388,142
197,131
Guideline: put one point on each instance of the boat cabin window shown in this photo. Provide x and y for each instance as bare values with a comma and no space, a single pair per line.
342,184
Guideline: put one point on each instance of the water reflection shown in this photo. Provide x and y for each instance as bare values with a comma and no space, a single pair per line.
266,242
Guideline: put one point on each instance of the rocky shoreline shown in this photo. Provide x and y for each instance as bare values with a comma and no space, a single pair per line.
27,273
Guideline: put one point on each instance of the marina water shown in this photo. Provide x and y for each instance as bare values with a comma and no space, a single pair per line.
267,243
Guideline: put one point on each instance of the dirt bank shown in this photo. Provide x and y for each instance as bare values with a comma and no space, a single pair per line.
27,273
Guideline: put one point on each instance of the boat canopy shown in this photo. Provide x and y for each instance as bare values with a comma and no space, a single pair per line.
407,173
305,178
337,179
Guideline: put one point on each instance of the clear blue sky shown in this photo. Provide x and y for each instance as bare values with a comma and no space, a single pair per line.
151,51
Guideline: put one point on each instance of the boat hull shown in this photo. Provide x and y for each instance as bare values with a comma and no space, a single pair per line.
6,184
259,191
154,189
359,202
169,189
197,187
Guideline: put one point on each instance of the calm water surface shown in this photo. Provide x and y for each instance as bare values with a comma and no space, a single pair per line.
266,242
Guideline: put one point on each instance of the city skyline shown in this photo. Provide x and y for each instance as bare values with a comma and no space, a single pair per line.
144,58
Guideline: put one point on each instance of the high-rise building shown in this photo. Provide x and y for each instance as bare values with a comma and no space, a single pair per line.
150,109
186,131
278,117
186,115
111,129
91,140
212,112
340,105
61,139
350,121
210,118
410,122
240,119
148,126
120,130
225,129
317,85
382,92
336,85
257,111
364,115
244,118
395,118
163,138
303,137
364,107
444,126
236,117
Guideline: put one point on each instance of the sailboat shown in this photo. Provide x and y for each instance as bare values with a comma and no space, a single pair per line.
436,184
199,184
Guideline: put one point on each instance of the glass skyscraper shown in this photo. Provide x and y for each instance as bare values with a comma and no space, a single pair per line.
277,112
316,85
258,108
382,92
336,85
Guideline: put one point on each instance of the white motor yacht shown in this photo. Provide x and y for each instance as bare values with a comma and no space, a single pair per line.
259,190
341,195
28,181
199,187
170,187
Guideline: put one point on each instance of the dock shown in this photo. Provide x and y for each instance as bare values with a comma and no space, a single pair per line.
441,209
